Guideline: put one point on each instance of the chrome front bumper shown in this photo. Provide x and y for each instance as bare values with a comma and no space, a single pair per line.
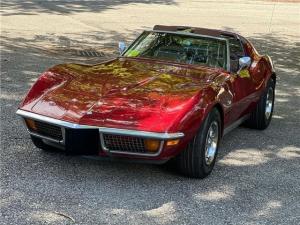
102,130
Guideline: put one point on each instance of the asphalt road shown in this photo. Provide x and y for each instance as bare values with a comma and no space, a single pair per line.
255,181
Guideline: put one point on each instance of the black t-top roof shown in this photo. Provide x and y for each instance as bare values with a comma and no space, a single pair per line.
195,30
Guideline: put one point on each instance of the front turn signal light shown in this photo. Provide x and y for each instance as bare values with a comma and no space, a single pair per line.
151,145
172,142
30,124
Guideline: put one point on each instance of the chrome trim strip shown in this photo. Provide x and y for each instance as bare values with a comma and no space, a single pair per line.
46,137
50,120
104,148
145,134
228,55
236,124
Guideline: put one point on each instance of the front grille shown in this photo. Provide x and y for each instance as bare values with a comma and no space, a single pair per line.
124,143
48,130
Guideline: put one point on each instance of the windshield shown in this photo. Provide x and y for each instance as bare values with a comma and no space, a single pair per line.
180,48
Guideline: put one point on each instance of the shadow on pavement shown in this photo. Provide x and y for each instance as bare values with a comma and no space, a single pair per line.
33,7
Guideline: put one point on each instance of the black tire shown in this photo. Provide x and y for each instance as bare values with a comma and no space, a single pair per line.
259,118
41,145
192,161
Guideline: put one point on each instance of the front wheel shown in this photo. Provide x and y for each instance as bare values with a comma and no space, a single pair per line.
199,158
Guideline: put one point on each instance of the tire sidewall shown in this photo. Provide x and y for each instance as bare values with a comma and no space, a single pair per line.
214,115
264,99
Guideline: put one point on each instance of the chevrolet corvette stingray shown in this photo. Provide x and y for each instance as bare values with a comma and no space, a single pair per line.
172,94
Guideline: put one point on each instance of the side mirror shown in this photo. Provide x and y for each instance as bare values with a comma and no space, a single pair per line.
244,63
122,47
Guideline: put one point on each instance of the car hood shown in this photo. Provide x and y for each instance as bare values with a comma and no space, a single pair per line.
123,93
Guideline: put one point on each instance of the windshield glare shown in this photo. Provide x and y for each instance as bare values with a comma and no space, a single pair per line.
180,48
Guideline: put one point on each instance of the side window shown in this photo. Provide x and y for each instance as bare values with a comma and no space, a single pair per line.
236,52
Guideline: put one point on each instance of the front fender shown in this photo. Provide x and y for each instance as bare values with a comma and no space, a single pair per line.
47,81
206,101
190,123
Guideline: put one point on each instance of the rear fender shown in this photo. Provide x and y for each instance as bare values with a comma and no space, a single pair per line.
269,69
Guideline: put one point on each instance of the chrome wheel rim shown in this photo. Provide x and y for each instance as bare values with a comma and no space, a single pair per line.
269,103
211,144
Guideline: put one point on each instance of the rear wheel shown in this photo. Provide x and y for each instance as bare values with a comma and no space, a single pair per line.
199,158
261,117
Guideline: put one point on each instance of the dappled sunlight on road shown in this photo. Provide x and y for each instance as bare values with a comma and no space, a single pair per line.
268,208
164,214
216,194
289,152
245,157
46,217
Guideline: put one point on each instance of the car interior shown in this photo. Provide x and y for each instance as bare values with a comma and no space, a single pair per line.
183,49
236,52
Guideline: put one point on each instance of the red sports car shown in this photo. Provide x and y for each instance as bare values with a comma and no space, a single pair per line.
173,93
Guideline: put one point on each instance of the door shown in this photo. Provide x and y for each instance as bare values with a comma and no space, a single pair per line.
242,84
